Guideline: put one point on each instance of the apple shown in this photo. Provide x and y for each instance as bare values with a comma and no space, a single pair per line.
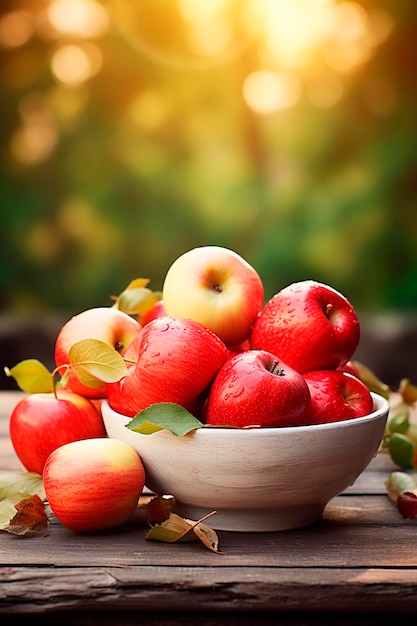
216,287
337,396
350,368
309,325
41,422
157,310
176,360
112,326
255,388
94,484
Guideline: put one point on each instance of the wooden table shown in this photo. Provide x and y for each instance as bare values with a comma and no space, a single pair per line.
358,565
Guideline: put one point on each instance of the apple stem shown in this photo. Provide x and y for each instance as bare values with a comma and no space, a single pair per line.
329,309
276,369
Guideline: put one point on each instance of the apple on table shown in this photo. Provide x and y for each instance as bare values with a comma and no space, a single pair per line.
94,484
42,422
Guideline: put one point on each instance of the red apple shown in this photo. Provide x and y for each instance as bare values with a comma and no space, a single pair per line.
112,326
216,287
350,368
41,422
255,388
309,325
93,484
337,396
176,361
157,310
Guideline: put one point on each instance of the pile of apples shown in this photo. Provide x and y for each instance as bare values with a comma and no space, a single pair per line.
209,343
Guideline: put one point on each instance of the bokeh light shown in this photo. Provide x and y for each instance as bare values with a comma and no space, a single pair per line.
284,129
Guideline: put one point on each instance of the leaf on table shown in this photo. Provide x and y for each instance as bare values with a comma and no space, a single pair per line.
158,509
32,376
95,362
164,415
137,298
29,518
14,484
398,483
178,529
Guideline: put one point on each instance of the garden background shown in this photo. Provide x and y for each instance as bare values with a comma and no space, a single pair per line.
134,130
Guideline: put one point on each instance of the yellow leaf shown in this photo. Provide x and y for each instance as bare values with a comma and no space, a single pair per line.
137,299
95,362
31,376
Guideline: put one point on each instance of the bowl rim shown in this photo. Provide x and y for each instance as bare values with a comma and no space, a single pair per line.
381,409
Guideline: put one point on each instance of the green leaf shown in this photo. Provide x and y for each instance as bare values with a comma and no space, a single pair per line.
401,450
95,362
32,376
164,415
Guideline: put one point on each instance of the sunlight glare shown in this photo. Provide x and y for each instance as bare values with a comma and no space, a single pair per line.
267,92
16,28
73,65
84,18
292,28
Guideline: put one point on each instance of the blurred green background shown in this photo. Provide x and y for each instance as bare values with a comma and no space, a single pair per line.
134,130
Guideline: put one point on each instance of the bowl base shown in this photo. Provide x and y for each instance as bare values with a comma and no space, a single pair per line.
253,520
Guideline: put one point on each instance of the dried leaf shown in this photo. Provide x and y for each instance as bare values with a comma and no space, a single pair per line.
398,483
171,530
159,509
31,376
208,536
164,415
30,517
95,362
178,529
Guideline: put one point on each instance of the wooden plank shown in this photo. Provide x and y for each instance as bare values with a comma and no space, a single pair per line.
186,588
363,540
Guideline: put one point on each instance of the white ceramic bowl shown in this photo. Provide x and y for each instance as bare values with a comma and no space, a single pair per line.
258,480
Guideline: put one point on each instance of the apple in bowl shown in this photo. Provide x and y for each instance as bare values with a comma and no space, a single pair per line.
308,324
216,287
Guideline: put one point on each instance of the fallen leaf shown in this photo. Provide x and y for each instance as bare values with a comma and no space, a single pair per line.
159,509
30,517
27,483
177,529
398,483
